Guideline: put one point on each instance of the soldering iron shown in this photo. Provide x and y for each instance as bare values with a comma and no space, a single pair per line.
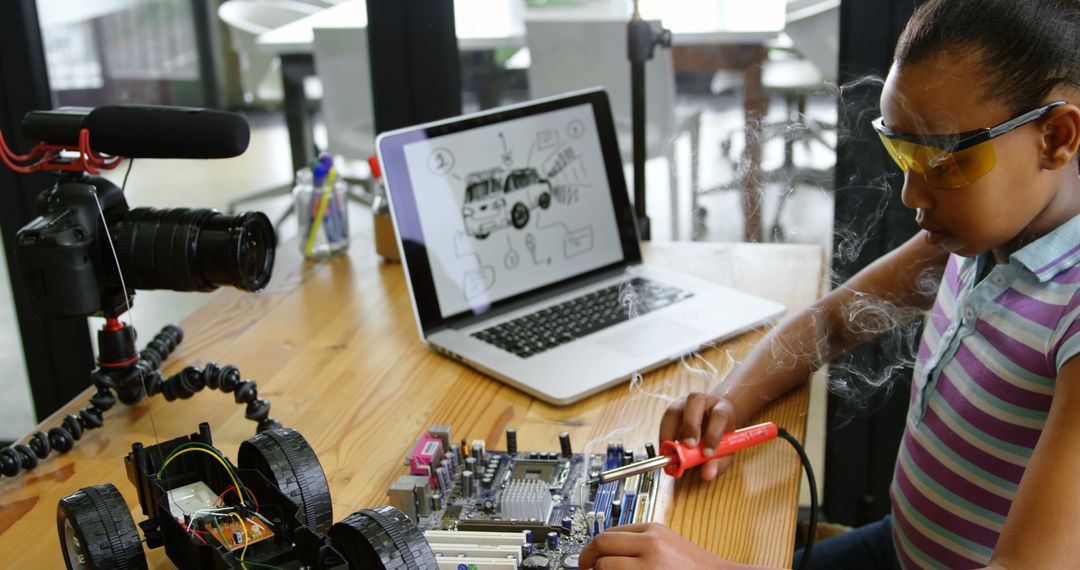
675,458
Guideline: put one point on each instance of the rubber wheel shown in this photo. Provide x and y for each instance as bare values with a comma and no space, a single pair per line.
284,457
519,215
545,200
96,530
382,539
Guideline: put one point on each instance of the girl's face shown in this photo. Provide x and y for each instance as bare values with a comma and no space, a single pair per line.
1008,206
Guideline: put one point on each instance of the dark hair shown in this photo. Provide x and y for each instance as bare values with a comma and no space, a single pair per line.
1027,47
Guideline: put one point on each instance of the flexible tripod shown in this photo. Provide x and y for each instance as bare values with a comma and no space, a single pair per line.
126,374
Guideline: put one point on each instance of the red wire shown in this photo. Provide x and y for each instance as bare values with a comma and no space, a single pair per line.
221,497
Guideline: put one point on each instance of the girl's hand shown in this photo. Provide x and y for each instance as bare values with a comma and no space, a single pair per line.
700,418
649,546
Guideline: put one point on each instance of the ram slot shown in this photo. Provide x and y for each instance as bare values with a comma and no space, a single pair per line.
608,491
629,500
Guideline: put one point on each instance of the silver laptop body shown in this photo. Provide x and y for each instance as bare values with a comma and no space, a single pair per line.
522,257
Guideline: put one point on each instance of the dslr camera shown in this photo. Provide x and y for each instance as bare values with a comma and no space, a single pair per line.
67,261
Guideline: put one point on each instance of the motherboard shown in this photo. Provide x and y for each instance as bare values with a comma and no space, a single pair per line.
481,509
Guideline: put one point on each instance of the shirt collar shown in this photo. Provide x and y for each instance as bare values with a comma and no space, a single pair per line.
1052,253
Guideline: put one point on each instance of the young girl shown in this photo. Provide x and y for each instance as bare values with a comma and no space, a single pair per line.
980,112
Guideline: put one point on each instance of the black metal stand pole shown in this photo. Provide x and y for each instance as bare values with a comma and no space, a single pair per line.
642,39
637,101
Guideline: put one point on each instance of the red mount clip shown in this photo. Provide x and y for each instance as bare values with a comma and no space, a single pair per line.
45,156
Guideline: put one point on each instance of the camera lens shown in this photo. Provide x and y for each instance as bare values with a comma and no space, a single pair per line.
194,249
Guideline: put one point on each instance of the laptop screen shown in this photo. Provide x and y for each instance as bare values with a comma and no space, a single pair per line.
494,207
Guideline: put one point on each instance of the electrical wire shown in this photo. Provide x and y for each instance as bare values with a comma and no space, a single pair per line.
812,531
263,565
221,497
123,185
178,453
243,531
221,535
196,535
213,450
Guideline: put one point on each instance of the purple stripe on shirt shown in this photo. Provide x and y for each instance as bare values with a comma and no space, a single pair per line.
1069,276
960,447
905,560
983,421
1044,268
977,457
1025,307
988,380
952,481
1022,355
1073,329
952,271
924,350
939,320
959,526
934,550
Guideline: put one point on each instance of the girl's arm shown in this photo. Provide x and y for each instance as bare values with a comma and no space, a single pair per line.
904,282
894,290
1041,528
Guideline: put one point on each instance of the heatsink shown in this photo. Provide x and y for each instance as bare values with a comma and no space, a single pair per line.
526,500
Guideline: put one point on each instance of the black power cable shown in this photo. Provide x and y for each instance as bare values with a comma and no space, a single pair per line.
812,531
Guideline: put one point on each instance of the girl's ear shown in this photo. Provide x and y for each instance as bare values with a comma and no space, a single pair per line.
1061,136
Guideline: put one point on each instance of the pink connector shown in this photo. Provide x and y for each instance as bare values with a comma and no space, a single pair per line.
426,456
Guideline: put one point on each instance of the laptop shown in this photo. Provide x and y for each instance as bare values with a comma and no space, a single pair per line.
522,256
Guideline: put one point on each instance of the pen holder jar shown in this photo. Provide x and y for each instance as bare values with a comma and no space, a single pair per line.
321,214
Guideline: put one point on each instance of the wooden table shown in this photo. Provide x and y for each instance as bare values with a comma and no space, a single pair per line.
334,347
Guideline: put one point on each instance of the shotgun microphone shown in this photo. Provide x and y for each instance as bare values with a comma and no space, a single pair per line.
143,131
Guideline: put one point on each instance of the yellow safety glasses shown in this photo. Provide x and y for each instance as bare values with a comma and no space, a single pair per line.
955,160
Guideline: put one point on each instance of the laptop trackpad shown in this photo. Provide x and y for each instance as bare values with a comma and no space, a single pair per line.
649,338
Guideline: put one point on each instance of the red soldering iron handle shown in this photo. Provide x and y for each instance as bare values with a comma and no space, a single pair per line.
687,457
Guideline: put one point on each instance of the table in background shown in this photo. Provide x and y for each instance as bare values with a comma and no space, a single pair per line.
481,25
334,348
707,35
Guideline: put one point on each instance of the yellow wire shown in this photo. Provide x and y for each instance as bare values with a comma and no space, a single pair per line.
211,454
244,529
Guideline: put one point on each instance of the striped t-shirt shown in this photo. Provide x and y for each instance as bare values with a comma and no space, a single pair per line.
984,378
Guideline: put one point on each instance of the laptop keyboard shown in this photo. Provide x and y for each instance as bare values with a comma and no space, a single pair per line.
559,324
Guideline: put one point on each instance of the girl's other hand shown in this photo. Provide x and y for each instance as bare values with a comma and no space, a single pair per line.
700,418
649,546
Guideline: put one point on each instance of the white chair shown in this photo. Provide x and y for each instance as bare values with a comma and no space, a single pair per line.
343,65
569,55
808,62
260,73
814,29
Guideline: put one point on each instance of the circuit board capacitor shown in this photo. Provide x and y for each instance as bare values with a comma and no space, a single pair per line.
564,444
466,483
511,441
